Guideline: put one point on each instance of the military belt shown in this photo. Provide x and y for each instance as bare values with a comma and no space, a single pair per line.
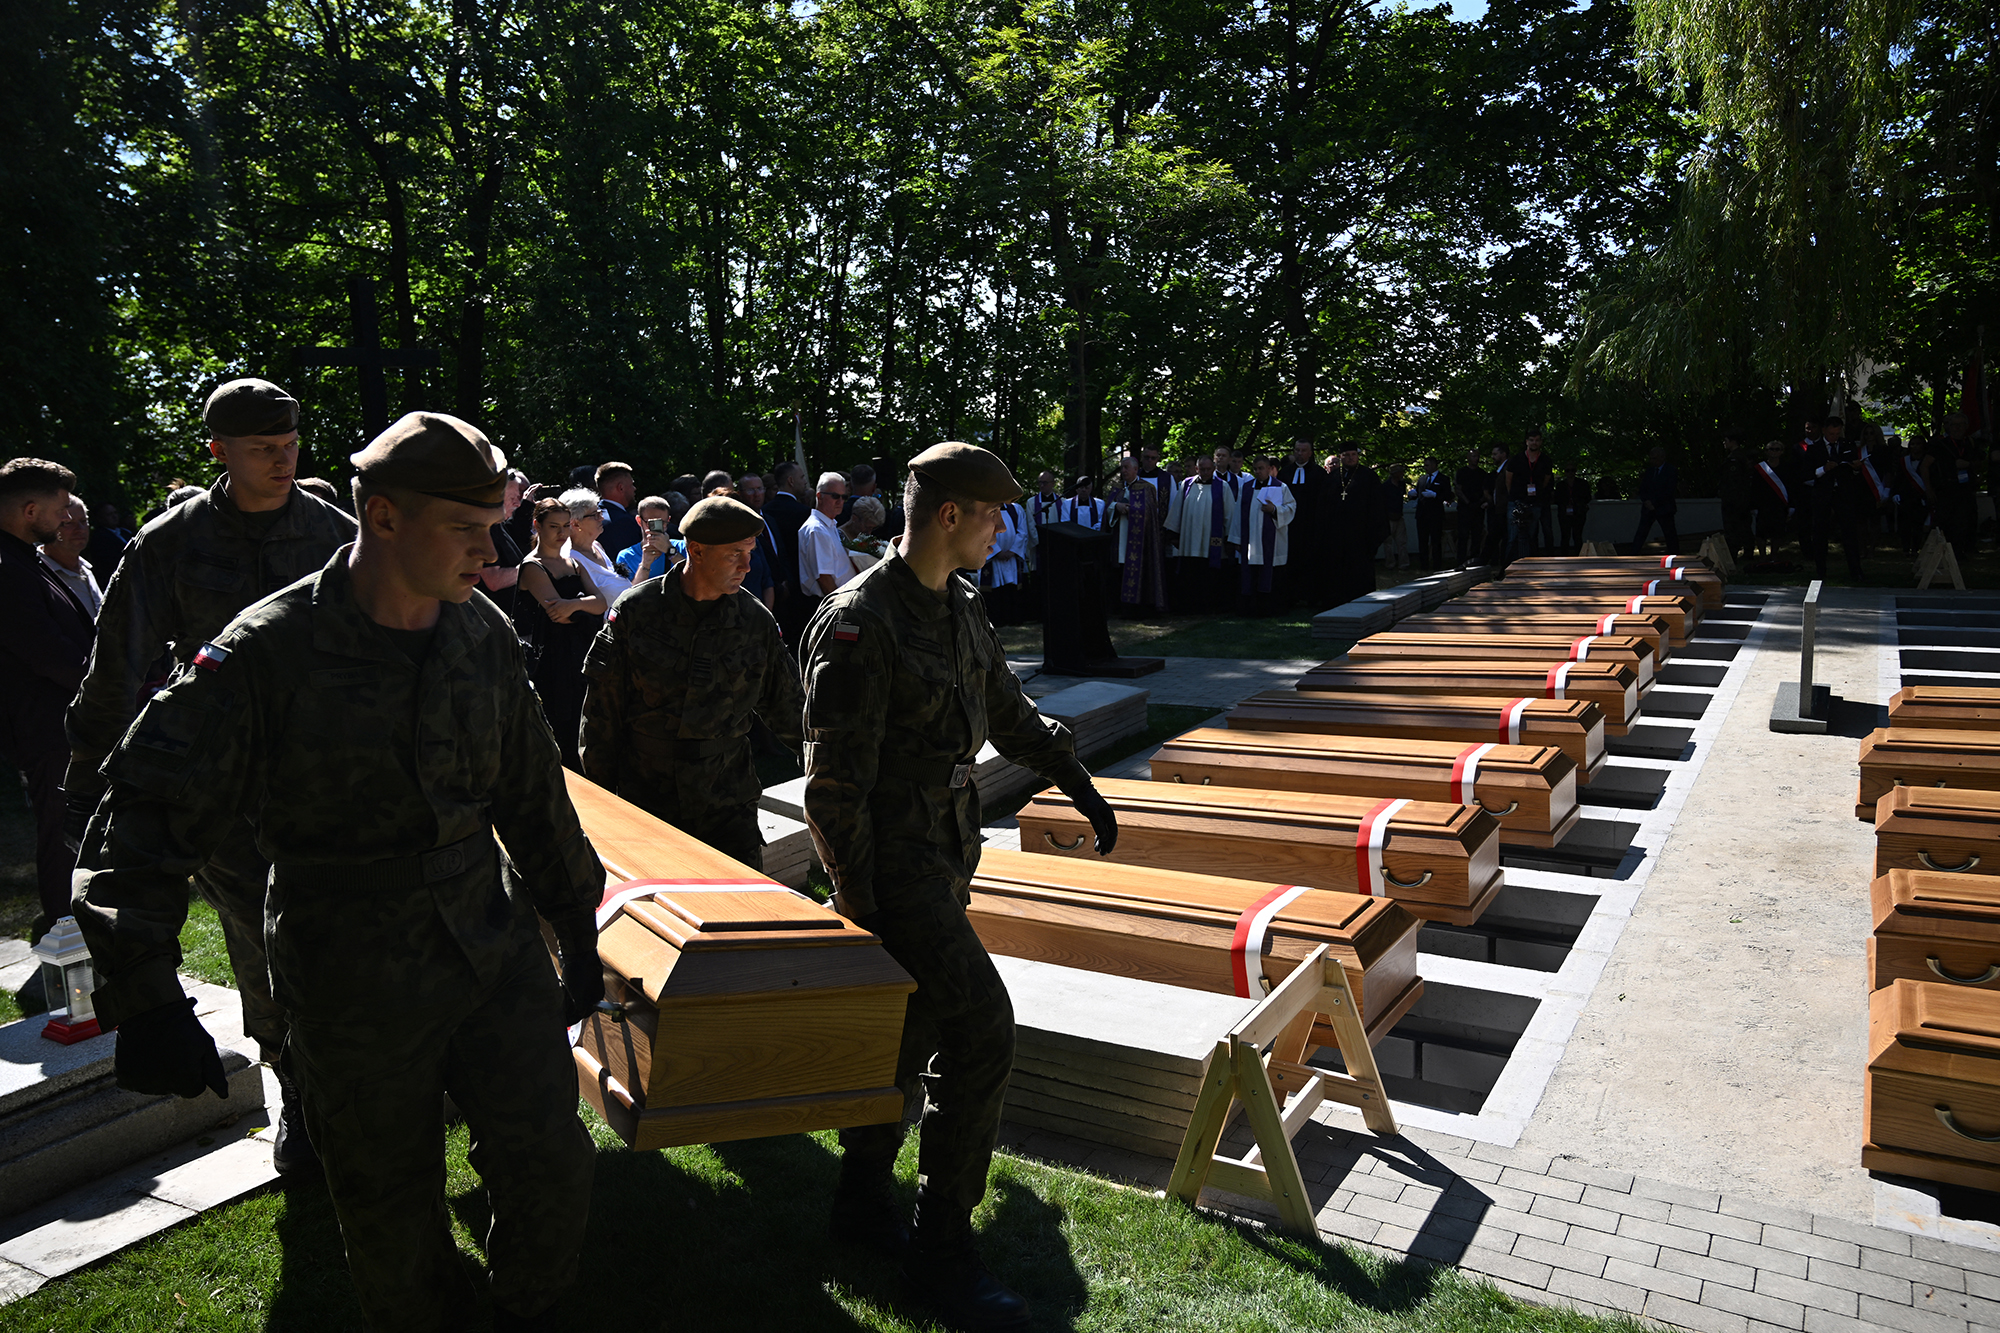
929,772
397,872
702,749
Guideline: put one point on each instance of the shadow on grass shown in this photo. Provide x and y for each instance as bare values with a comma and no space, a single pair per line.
1402,1286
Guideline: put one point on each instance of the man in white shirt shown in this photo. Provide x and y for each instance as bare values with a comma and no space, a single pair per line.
823,562
64,557
1201,522
1264,513
1001,577
1080,508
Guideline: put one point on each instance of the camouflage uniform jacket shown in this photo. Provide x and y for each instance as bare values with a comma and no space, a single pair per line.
902,686
673,683
186,575
304,716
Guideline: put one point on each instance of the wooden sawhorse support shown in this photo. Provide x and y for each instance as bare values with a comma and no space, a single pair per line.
1279,1094
1936,558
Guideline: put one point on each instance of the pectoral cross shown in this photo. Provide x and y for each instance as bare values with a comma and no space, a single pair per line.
367,355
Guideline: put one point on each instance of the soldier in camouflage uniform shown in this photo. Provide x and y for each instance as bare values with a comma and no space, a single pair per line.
681,665
183,578
376,725
905,680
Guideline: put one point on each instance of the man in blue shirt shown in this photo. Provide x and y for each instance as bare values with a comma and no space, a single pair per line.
655,552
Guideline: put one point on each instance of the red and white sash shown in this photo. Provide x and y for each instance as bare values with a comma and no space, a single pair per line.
1609,624
1369,840
1777,486
1874,481
1248,942
1580,650
1510,721
1558,685
1465,772
1635,606
1669,561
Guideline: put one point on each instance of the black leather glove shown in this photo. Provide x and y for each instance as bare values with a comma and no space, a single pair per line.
168,1050
582,972
1103,822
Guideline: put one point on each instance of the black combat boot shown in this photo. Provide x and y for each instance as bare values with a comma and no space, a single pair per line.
944,1264
864,1206
292,1151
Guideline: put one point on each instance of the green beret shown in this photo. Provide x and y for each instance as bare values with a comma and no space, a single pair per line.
434,454
250,407
968,471
720,520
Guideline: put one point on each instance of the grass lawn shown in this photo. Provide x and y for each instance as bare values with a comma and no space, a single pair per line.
733,1237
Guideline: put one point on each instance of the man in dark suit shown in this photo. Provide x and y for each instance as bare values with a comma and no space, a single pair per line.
42,659
1305,576
785,511
618,494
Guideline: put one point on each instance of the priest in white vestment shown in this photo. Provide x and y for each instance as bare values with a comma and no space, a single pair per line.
1201,522
1001,577
1264,513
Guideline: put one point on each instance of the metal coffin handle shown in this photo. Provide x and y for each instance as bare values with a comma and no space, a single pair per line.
1050,838
1937,967
1971,860
1945,1118
1204,782
1416,883
1512,806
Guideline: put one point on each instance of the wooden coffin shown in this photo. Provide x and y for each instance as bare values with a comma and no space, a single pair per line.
1946,708
1548,649
1449,620
1938,828
1930,1104
1692,570
1613,688
750,1010
1681,611
1442,862
1530,789
1935,928
1919,757
1181,930
1708,592
1574,726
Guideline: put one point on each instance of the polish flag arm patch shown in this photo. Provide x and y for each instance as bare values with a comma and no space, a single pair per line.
210,658
845,631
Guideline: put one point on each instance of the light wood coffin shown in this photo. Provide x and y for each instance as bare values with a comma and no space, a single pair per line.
1692,570
1449,620
1574,726
1707,592
1935,928
1613,688
1921,757
1946,708
1930,1105
1182,930
1938,828
1530,789
1681,611
1548,649
1442,862
750,1010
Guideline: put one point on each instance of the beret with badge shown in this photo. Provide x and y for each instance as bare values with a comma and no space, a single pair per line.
968,471
242,408
436,455
720,520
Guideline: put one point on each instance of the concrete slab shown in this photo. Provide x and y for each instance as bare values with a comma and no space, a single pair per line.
1139,1022
219,1177
66,1245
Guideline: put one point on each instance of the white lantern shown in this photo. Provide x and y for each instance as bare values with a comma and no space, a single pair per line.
68,977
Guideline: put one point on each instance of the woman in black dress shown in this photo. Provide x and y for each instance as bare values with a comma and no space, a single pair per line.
558,617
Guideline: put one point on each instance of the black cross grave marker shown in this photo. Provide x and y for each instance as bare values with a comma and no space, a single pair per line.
367,355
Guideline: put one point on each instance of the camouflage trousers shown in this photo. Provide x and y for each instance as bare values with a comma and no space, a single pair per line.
375,1083
958,1042
233,883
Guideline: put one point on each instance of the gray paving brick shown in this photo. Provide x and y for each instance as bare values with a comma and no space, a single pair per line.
1531,1295
1982,1285
1514,1177
1348,1226
1812,1294
1687,1287
1755,1305
1660,1189
1395,1214
1942,1276
1583,1215
1884,1286
1473,1168
1661,1233
1596,1290
1908,1318
1708,1268
1435,1143
1438,1249
1509,1197
1394,1239
1722,1224
1825,1321
1631,1205
1547,1228
1958,1256
1567,1168
1770,1213
1375,1187
1559,1256
1982,1313
1820,1247
1863,1234
1684,1314
1460,1202
1495,1238
1513,1267
1460,1229
1788,1262
1535,1163
1624,1247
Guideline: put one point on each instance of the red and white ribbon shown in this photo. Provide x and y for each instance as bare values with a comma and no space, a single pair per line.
1369,839
1510,721
1874,480
1608,625
1248,942
1668,561
1653,586
1580,650
1777,486
1465,772
1634,606
1559,681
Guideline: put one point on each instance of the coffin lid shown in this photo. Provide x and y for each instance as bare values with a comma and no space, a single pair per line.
1218,744
1891,742
1454,709
1933,903
1282,808
1942,1030
1026,874
1532,675
1554,643
1953,811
